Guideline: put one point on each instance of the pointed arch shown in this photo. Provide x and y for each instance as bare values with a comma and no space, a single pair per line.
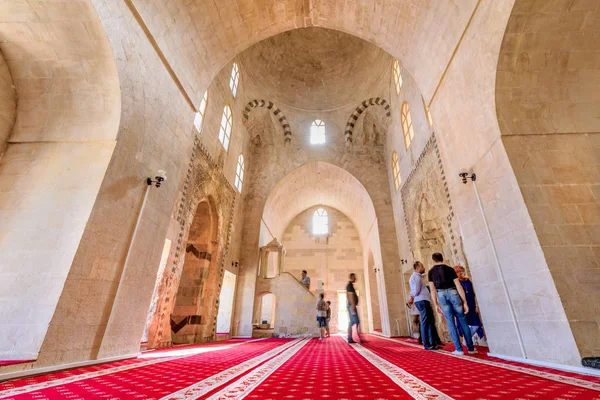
373,101
287,131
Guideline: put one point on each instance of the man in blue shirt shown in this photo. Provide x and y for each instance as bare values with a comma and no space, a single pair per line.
422,299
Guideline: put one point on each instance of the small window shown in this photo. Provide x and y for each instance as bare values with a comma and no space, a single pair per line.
427,113
225,131
235,79
239,173
199,119
407,126
397,76
396,171
317,132
320,222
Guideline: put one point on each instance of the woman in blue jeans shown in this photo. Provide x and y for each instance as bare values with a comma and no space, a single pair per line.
448,298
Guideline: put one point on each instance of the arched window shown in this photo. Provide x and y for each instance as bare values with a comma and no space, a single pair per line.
427,113
239,173
320,222
407,126
225,131
199,119
396,170
397,76
317,132
235,79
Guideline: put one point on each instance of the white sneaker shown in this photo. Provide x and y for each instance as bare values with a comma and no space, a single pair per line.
473,352
458,353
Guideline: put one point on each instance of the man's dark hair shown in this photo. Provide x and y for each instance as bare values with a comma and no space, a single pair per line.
416,264
304,272
322,295
351,275
437,257
328,302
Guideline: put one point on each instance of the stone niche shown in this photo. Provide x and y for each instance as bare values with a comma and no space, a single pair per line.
188,295
429,217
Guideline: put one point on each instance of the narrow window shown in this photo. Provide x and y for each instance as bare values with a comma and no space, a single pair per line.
225,131
320,222
397,76
317,132
239,173
396,170
427,113
407,126
199,119
235,79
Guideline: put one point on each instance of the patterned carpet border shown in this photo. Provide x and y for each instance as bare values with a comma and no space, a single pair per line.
95,374
205,386
534,372
240,388
412,385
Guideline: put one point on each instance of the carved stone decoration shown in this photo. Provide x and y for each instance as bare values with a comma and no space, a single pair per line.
204,181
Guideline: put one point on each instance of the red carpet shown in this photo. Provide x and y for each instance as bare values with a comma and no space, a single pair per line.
145,378
306,369
146,356
463,379
331,369
483,356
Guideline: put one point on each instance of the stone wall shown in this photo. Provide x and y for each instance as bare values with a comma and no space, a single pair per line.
547,103
295,307
67,118
327,259
8,104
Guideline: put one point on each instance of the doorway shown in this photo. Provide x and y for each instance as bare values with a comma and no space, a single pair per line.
226,304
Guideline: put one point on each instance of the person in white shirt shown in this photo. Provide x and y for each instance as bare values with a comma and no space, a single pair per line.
422,298
305,280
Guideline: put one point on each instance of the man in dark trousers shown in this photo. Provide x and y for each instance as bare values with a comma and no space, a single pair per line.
351,306
449,299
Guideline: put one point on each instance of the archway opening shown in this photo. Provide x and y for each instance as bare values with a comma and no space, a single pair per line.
329,252
226,298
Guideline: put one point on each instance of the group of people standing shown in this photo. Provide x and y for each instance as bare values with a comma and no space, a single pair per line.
452,295
324,311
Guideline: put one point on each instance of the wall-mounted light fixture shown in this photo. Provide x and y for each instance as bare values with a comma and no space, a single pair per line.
160,177
465,176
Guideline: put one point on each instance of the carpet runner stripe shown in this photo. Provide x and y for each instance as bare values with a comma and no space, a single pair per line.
147,358
412,385
461,378
448,348
330,370
542,373
205,386
240,388
151,379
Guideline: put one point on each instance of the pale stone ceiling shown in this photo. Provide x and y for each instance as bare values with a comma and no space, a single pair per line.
318,183
315,68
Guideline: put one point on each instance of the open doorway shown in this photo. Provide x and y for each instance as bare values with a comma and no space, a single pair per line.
267,311
226,305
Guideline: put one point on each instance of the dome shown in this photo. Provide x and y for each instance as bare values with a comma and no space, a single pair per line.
315,68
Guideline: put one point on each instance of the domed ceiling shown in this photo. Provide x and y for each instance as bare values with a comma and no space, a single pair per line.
315,68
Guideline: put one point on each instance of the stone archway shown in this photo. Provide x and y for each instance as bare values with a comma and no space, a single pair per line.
59,137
